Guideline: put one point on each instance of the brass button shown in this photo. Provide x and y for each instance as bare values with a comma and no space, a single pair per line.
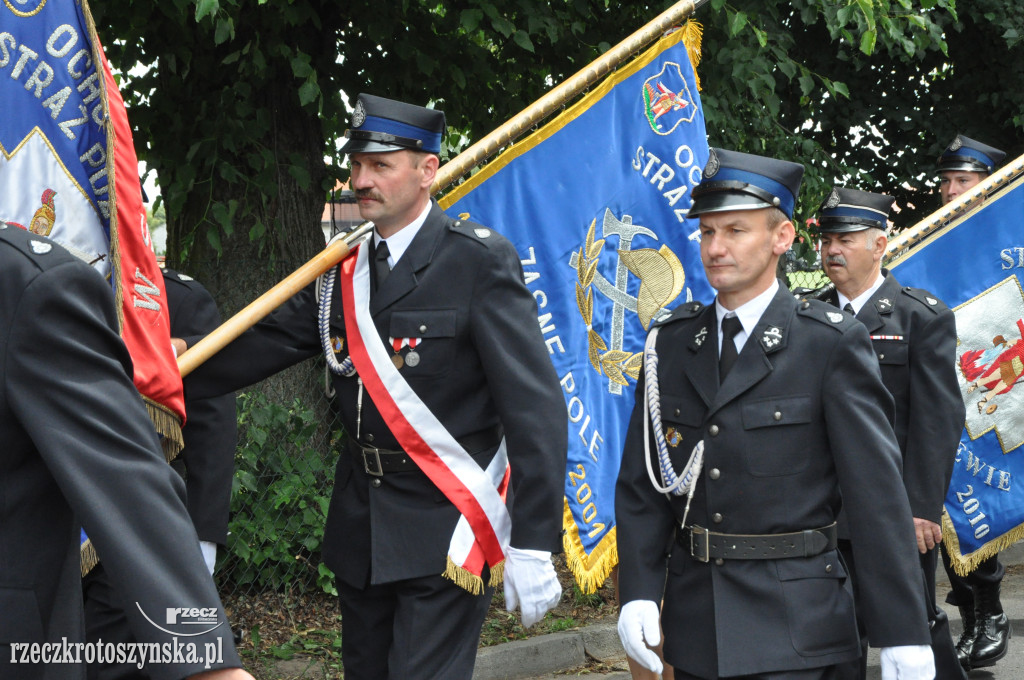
375,483
714,473
828,568
423,328
716,518
713,430
676,412
369,437
777,415
719,561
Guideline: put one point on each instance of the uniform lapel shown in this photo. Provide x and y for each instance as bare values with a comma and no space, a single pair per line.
771,334
880,306
703,372
403,278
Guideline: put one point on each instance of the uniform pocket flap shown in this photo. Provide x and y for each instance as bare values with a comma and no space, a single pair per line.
778,411
825,565
426,323
891,351
674,409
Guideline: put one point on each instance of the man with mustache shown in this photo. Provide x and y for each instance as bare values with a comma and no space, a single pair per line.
914,337
449,400
985,640
768,414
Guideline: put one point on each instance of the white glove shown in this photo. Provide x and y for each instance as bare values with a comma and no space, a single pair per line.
640,626
530,584
908,662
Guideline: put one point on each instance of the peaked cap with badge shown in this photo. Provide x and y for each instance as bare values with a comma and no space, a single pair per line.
380,125
734,180
964,153
847,210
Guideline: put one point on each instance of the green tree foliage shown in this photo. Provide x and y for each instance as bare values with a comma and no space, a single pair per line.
240,102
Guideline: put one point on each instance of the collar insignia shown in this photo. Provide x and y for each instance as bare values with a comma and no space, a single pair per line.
699,338
772,337
40,248
884,305
834,317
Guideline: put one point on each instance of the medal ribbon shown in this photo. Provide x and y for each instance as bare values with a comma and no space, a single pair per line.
482,534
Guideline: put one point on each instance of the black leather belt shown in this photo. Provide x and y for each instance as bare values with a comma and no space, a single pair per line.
377,461
705,545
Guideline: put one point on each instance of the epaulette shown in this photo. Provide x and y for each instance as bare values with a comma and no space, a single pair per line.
476,232
925,298
687,310
40,250
825,313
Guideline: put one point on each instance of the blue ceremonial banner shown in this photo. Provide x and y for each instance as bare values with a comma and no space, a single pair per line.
974,265
595,202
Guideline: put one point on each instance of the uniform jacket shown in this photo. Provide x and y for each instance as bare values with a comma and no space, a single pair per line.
211,430
802,416
914,336
79,449
483,363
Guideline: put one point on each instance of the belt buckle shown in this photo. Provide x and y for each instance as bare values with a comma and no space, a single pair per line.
379,471
699,547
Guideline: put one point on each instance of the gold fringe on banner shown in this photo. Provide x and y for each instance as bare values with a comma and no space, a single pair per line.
590,571
469,581
693,32
965,564
168,426
89,557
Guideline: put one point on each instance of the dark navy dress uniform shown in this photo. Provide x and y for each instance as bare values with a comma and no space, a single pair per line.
914,337
79,449
482,369
798,429
211,429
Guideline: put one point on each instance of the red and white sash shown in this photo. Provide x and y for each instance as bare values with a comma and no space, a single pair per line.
482,534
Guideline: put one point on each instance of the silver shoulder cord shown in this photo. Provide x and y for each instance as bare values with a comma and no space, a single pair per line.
324,292
670,483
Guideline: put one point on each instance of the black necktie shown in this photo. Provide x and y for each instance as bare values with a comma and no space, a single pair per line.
730,327
381,268
848,308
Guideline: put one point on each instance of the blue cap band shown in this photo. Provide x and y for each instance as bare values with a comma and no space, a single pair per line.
431,140
781,191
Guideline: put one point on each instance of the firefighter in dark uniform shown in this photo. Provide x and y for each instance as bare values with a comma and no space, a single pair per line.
211,431
986,637
449,304
78,450
740,458
914,336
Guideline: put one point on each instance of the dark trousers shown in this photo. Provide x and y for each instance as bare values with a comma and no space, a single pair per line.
105,620
947,667
988,573
417,629
823,673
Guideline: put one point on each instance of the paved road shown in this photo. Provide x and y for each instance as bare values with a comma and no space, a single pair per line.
566,655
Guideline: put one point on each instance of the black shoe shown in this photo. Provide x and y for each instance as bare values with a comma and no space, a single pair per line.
993,637
965,644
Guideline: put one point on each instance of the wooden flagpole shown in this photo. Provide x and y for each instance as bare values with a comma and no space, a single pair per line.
447,174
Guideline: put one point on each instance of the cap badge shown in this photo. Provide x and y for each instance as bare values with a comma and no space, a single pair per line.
931,301
834,317
711,169
482,233
699,338
358,115
832,201
40,248
955,146
772,337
